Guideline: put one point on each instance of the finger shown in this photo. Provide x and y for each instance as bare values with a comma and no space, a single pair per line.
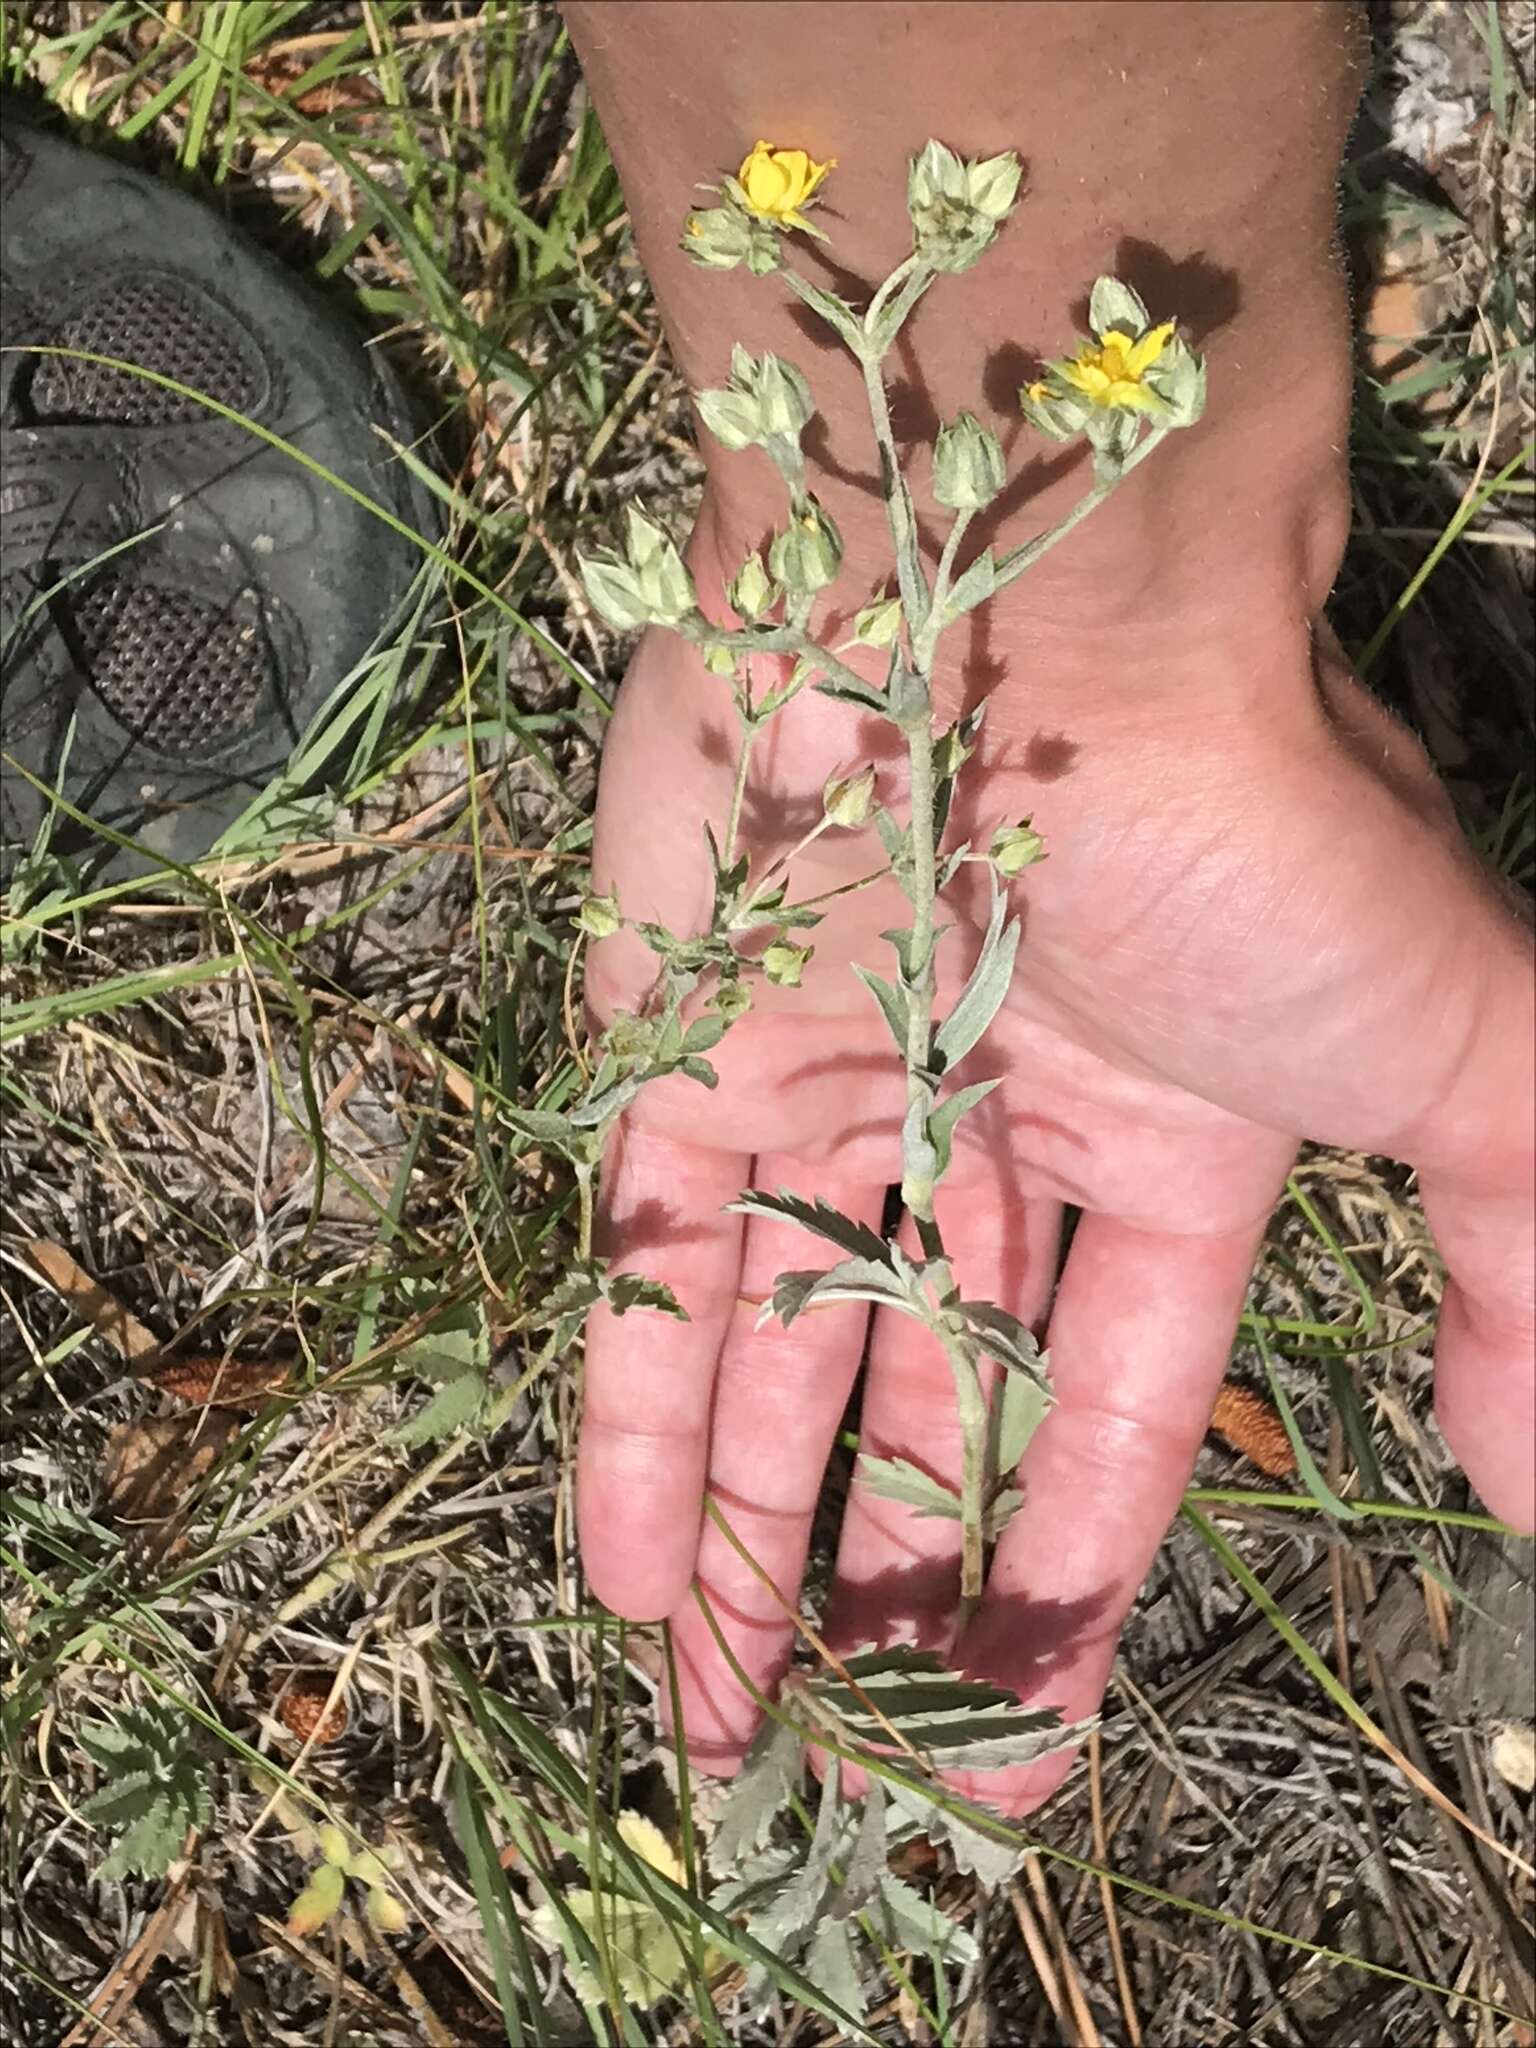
1139,1339
779,1397
645,1410
1477,1159
898,1572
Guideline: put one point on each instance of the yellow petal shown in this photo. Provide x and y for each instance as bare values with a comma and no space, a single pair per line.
796,166
648,1842
1087,377
1115,339
1149,348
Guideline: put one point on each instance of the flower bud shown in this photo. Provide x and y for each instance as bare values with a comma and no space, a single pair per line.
630,1037
951,231
1016,847
599,916
783,397
733,417
664,585
846,798
807,555
878,624
992,184
968,466
644,539
753,590
1057,414
732,999
784,962
385,1911
718,238
720,661
614,589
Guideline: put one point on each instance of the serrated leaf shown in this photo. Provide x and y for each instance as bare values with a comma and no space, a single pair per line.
624,1291
893,1005
848,1280
865,1863
1005,1340
986,991
911,1922
125,1798
898,1479
771,1771
972,588
942,1120
818,1217
979,1855
830,1964
457,1405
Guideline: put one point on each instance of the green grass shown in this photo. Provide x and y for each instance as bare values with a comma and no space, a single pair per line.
474,218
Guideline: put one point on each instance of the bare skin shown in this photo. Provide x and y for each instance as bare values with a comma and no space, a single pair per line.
1257,923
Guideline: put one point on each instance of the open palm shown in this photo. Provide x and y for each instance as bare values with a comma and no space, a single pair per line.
1248,932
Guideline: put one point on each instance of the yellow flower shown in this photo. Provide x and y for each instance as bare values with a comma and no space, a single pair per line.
1111,372
776,183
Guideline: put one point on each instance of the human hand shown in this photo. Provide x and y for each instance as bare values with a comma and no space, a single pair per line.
1257,923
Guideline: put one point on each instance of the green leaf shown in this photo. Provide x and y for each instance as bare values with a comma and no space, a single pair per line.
893,1005
971,588
318,1900
849,1280
832,1968
543,1126
865,695
942,1121
1020,1408
898,1479
156,1789
865,1863
444,1355
837,312
818,1217
457,1405
1115,305
624,1291
911,1922
986,990
979,1855
1005,1340
704,1032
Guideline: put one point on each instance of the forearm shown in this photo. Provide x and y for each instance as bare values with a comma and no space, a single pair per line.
1189,147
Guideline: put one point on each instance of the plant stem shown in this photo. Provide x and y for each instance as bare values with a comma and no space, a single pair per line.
898,499
1029,552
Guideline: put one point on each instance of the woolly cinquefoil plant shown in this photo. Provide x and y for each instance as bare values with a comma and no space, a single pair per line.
1123,389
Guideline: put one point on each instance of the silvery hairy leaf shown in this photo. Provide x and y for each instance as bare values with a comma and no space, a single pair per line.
818,1217
987,989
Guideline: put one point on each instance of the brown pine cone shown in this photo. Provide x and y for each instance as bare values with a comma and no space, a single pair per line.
1247,1422
302,1709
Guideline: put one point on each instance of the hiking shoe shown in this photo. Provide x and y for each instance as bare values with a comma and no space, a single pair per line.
161,689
